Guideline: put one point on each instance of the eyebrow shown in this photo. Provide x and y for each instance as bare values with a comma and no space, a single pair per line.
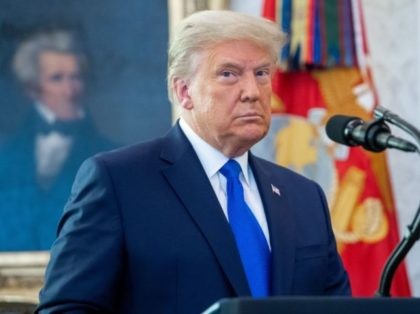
265,65
230,64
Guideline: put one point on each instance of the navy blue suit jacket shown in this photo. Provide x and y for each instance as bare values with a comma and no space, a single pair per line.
143,232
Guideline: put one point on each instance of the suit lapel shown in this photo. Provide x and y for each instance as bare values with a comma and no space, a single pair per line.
189,181
281,226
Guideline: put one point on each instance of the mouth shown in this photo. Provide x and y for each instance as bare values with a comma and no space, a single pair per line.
250,116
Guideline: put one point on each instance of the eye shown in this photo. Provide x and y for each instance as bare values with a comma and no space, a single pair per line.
263,75
265,72
76,77
227,74
58,77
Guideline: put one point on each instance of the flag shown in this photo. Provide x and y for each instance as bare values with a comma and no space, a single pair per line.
327,73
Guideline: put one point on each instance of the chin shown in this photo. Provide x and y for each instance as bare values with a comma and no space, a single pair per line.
254,136
257,130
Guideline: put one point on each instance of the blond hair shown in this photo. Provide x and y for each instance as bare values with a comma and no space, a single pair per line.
204,29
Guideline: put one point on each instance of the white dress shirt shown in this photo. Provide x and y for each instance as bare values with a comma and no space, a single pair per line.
212,160
51,150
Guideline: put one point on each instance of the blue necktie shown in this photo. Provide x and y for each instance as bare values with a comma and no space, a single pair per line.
250,239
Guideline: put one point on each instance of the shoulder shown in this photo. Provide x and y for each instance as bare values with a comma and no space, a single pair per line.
17,148
133,153
164,149
125,162
280,172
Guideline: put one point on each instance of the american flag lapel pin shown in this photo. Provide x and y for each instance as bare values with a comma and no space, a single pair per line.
275,190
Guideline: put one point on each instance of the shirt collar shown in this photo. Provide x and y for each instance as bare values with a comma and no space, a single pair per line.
49,115
211,158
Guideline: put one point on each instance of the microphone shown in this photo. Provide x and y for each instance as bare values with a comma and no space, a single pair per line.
374,136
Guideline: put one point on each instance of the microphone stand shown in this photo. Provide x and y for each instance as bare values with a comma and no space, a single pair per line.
411,235
412,231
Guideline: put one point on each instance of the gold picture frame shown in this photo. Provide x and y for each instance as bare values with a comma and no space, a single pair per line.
21,276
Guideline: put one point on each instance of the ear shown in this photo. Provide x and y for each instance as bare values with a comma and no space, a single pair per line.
181,90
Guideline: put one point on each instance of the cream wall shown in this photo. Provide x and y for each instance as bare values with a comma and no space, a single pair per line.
394,41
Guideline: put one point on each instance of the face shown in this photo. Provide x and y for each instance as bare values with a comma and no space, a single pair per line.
227,101
60,83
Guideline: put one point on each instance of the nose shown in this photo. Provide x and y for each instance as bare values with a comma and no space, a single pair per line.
71,87
250,88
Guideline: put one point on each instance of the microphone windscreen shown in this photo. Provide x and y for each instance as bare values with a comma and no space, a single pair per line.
336,128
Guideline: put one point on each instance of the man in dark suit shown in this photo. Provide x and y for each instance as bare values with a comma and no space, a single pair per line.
174,224
38,163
